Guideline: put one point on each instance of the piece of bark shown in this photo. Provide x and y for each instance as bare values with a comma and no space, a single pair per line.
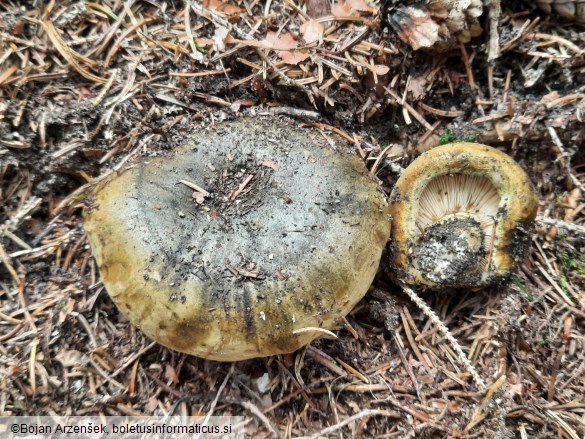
318,8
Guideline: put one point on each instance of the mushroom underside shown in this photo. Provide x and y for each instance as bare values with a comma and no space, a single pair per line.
462,217
456,221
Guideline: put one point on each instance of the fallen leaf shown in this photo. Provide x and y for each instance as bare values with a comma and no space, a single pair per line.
360,5
220,36
171,374
263,44
342,10
69,358
285,41
66,310
417,86
199,197
381,69
270,164
203,42
221,7
312,31
283,44
293,58
242,102
151,404
514,390
246,102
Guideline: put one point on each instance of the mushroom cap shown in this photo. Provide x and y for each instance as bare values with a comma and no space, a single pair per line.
461,217
247,270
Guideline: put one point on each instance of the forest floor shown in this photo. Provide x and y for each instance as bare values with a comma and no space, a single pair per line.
88,88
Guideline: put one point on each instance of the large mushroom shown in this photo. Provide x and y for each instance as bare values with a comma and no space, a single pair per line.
461,217
252,239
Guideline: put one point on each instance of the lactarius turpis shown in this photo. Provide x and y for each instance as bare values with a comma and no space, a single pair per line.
250,240
461,217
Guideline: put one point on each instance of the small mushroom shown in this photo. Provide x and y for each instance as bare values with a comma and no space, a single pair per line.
461,217
252,239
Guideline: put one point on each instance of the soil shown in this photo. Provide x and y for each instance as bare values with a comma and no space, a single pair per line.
65,347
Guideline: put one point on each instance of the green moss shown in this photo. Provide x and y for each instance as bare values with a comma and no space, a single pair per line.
520,284
574,261
447,136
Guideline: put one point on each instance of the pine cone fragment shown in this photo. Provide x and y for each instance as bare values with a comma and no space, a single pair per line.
569,9
440,24
445,24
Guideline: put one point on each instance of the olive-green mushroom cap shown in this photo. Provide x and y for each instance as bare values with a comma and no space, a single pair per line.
461,217
247,241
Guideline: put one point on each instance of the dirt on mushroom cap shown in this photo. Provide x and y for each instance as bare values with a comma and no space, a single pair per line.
289,236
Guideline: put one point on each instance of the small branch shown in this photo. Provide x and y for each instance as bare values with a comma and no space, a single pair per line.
363,414
494,12
571,227
454,343
295,112
567,158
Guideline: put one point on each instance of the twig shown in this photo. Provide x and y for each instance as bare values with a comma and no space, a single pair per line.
23,212
567,162
363,414
256,411
234,194
295,112
468,69
314,329
494,12
410,109
571,227
218,394
454,343
81,318
195,187
6,261
560,40
133,358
